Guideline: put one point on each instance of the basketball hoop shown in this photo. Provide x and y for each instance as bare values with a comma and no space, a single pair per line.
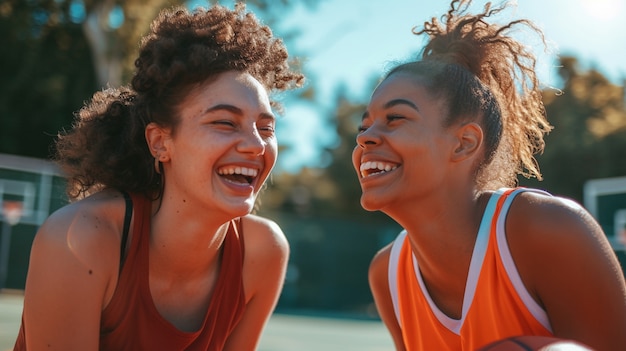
12,211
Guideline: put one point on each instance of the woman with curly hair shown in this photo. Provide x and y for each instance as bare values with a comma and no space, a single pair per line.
164,174
480,259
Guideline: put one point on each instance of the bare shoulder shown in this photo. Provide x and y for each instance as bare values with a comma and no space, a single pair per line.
379,265
543,218
266,256
262,233
378,276
73,272
95,216
554,240
88,230
565,260
265,242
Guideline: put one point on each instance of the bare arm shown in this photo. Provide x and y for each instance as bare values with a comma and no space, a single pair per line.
67,280
265,265
378,280
567,263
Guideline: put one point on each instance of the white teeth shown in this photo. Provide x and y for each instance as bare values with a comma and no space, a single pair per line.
380,166
250,172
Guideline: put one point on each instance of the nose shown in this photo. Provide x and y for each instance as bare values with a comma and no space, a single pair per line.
370,136
252,143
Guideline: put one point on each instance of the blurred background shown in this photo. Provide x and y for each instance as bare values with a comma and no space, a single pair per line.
57,53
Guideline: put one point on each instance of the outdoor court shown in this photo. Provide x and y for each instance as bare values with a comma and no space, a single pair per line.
283,333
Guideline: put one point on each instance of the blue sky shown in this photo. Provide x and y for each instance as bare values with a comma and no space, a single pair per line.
351,42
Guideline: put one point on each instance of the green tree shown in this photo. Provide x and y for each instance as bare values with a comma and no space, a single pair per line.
589,136
45,74
56,53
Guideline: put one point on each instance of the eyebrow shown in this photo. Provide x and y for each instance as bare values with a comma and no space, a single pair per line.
392,103
235,110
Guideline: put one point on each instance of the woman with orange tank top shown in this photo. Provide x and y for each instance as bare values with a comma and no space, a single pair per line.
439,149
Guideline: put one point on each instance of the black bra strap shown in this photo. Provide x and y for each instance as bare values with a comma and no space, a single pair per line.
127,217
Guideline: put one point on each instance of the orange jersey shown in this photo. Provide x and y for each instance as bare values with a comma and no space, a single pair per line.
495,305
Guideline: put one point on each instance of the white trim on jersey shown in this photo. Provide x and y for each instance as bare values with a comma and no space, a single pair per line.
478,256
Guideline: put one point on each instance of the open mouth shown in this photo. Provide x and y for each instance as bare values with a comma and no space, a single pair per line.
238,175
371,168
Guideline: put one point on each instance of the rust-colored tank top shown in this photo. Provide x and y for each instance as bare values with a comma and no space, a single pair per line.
131,320
495,305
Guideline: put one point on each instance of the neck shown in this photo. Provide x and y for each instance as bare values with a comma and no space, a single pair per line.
443,224
184,241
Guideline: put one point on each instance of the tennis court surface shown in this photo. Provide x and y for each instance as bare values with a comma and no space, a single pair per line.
284,332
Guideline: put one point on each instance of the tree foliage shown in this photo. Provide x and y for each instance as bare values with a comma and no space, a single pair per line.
45,74
589,136
57,53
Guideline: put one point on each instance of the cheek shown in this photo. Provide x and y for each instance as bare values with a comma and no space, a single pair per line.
271,151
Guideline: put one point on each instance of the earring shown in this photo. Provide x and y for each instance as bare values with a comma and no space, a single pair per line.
157,164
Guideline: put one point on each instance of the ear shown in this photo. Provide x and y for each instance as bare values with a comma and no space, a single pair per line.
157,138
469,138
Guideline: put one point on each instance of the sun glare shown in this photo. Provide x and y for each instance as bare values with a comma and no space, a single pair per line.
604,10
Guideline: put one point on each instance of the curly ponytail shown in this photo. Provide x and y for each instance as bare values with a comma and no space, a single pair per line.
486,75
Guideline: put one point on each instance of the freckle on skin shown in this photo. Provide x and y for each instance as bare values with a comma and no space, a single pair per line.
90,272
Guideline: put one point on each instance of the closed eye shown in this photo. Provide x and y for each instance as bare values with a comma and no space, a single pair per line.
267,130
391,118
362,128
224,123
267,124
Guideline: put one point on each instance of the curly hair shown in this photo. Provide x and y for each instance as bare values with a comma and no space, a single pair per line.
106,148
485,75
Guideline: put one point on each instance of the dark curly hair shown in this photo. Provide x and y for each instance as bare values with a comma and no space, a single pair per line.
106,148
486,76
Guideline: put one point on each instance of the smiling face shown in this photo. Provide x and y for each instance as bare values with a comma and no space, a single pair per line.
402,147
224,146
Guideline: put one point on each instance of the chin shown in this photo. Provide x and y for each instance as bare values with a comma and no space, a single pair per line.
240,210
370,203
248,209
